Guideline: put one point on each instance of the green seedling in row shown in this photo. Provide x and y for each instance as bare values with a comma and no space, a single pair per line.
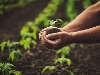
15,72
6,69
62,60
26,43
14,55
64,51
11,46
8,44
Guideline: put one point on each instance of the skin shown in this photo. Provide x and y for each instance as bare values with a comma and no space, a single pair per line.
85,28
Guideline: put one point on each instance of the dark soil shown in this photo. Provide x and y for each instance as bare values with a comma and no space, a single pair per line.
85,57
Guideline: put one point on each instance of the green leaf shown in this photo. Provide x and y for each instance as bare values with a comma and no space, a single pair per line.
27,46
71,73
11,44
59,51
44,69
63,55
1,66
59,20
34,42
60,60
6,68
26,43
3,44
14,55
72,46
49,68
24,30
64,51
68,61
15,72
34,35
17,54
52,22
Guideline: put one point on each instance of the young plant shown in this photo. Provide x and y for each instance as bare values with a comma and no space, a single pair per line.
15,54
6,69
54,29
6,5
71,13
63,52
29,35
11,46
48,12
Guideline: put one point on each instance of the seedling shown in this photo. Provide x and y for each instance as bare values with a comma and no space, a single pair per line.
54,29
15,54
63,52
55,23
6,69
11,46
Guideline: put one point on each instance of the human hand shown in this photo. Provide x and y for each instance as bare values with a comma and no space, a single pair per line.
49,30
55,40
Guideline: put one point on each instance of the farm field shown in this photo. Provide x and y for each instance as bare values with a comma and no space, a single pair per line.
85,57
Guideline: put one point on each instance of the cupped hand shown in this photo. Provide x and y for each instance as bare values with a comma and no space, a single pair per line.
56,40
48,28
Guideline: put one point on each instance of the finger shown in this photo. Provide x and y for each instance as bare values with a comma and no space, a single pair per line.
39,35
53,36
43,40
42,36
51,42
45,29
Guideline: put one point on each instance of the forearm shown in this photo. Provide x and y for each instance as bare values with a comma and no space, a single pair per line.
87,19
91,35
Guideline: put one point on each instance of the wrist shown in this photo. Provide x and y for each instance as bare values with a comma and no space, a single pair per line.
70,38
73,37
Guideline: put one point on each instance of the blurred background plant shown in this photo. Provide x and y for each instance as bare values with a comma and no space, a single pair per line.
7,69
6,5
